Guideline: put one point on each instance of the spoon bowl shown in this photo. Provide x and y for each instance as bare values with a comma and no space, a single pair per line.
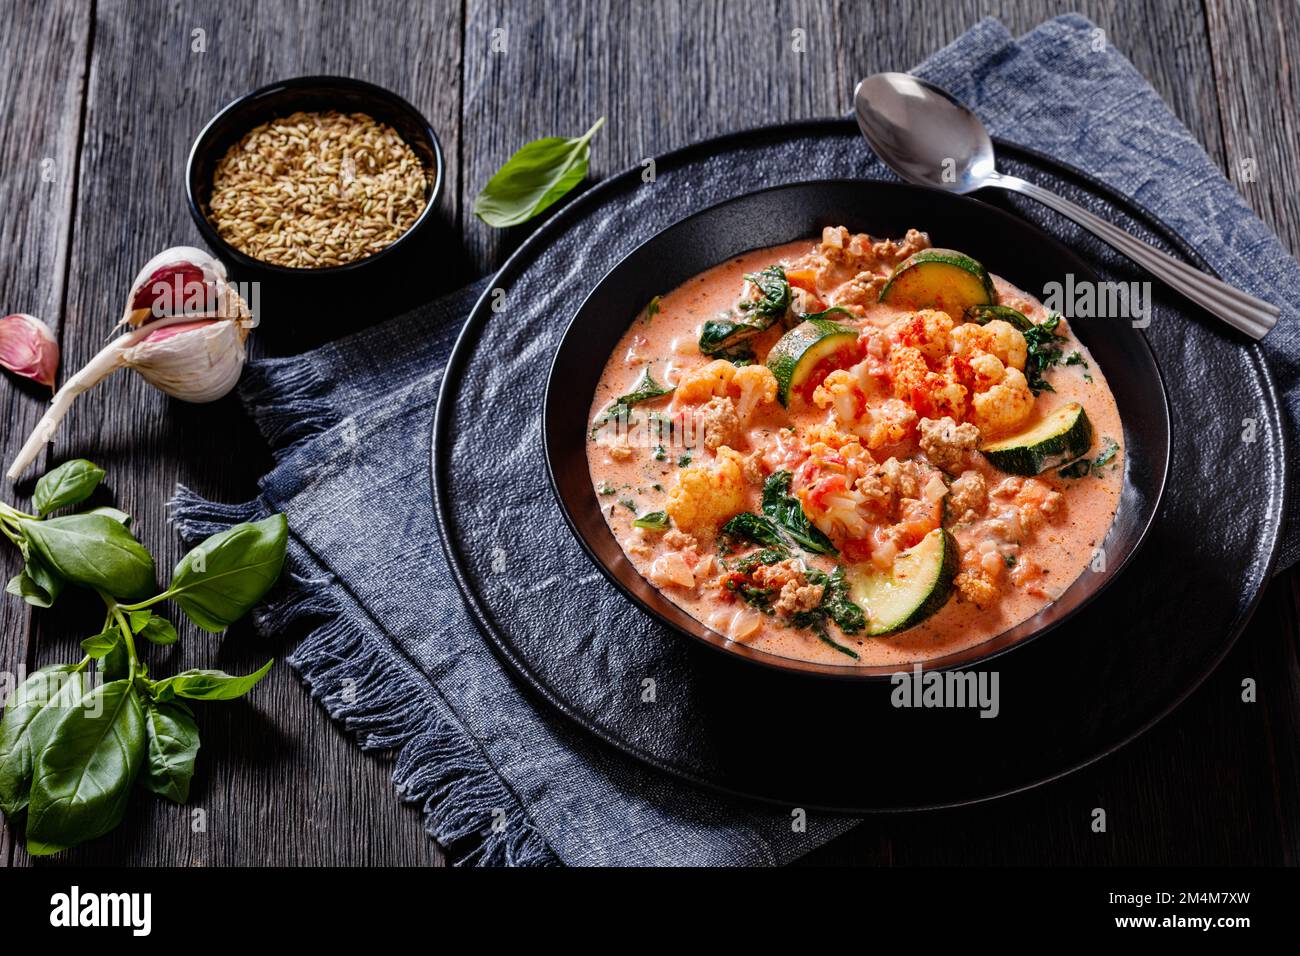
929,138
923,134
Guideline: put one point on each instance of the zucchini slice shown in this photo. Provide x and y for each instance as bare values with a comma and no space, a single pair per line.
919,584
800,350
1062,436
939,279
984,314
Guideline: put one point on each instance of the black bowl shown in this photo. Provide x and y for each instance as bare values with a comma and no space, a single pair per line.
1008,246
281,99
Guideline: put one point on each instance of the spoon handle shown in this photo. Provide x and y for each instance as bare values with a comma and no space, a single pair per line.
1239,309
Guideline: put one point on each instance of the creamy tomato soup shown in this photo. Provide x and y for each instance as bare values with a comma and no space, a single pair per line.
855,451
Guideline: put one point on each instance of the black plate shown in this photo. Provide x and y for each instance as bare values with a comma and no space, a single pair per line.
1100,679
1008,246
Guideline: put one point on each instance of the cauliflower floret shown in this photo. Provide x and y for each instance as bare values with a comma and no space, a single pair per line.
840,389
997,338
946,443
974,585
1004,407
969,494
926,331
748,386
702,497
930,393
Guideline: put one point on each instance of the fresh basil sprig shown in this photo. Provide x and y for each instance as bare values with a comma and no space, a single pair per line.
534,178
74,742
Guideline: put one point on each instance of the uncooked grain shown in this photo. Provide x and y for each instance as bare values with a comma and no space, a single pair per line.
313,190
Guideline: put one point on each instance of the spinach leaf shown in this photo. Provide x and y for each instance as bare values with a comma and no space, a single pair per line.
837,606
534,178
49,691
752,527
221,579
646,389
1044,348
95,551
787,511
753,595
173,744
824,314
757,558
728,339
69,484
653,520
208,684
773,301
84,774
1083,467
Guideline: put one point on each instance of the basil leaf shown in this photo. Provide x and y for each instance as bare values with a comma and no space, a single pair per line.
534,178
48,691
116,664
153,628
787,511
173,745
36,583
223,577
69,484
102,643
208,684
117,514
95,551
84,775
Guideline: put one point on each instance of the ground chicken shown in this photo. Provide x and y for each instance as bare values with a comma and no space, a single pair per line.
946,443
969,495
622,451
795,598
720,422
680,540
796,594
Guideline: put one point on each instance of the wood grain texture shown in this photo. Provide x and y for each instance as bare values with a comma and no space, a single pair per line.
278,782
1256,54
42,90
1218,782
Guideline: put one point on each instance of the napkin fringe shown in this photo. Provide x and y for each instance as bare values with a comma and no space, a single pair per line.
286,398
439,766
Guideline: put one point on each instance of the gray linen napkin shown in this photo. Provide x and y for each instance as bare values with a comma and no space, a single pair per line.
499,775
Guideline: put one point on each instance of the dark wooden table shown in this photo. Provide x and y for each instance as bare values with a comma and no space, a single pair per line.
101,99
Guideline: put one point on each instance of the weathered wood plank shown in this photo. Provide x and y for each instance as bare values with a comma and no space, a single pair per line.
278,782
42,89
1256,59
1166,41
664,74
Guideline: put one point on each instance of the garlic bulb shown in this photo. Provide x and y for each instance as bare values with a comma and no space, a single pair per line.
28,348
186,335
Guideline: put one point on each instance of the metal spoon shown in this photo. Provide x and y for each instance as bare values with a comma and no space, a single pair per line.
929,138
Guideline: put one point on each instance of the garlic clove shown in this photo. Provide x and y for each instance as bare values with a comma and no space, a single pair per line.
181,280
194,361
28,348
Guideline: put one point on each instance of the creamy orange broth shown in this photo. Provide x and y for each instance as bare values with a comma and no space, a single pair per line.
1045,564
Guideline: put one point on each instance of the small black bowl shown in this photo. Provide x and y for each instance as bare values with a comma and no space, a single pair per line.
306,93
1007,245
